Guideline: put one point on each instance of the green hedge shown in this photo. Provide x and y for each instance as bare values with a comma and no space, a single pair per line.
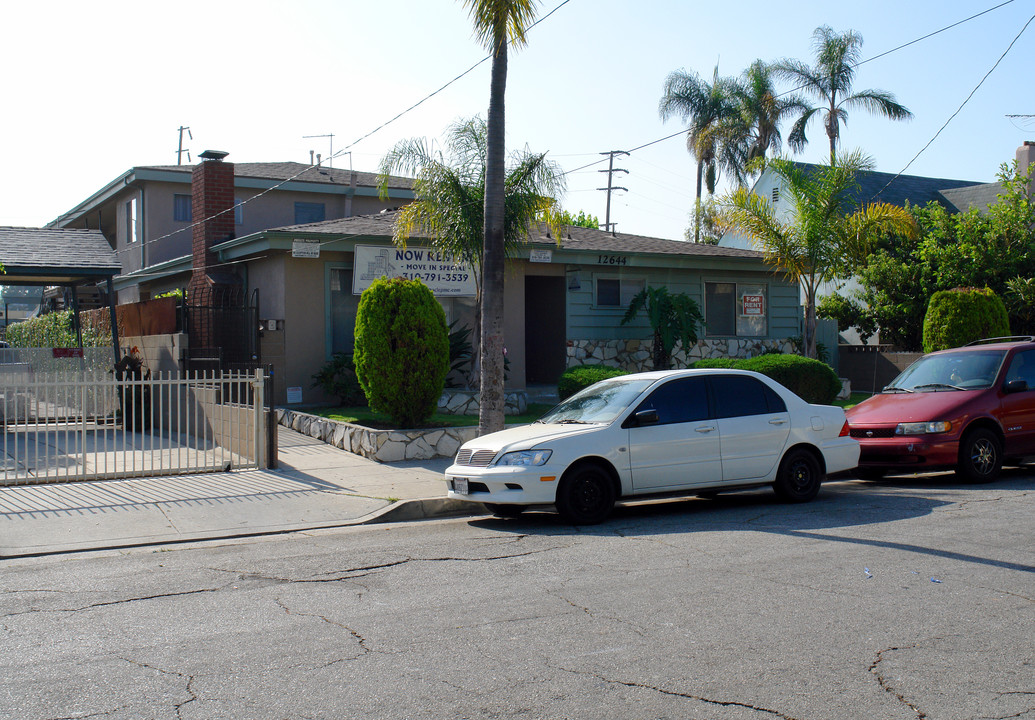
401,352
582,376
811,380
957,317
54,330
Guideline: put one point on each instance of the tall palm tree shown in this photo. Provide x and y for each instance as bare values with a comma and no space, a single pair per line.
704,108
830,81
761,109
496,23
826,236
449,191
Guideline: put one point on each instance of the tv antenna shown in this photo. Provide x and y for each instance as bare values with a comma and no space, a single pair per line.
180,150
330,155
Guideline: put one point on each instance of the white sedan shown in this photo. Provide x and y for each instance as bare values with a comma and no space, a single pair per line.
696,431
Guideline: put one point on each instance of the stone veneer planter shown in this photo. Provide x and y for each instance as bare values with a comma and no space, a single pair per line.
635,355
455,401
380,445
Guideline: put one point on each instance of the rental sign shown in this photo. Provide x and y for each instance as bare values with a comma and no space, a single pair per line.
436,269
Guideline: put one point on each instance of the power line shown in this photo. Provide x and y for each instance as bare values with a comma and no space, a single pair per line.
960,108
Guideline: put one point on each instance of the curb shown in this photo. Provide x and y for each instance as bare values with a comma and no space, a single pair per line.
423,509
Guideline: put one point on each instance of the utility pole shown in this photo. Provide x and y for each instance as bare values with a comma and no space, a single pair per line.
180,150
330,155
611,170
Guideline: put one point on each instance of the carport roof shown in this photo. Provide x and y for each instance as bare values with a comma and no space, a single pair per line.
52,256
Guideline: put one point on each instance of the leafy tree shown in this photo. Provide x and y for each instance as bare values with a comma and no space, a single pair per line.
583,219
705,108
971,249
671,317
825,236
401,354
450,196
830,81
497,23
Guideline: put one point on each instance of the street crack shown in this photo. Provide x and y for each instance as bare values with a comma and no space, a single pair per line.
887,687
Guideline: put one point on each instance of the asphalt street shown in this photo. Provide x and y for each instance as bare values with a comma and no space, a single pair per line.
908,599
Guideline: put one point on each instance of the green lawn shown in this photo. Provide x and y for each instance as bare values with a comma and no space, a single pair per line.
855,399
369,418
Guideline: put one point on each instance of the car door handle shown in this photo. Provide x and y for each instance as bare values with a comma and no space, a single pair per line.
705,428
777,421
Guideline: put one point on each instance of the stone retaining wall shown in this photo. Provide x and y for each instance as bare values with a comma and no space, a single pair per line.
635,355
455,401
380,445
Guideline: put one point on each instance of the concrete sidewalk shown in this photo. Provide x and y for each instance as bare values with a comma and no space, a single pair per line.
316,486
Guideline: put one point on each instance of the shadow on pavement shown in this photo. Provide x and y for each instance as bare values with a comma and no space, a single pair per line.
839,505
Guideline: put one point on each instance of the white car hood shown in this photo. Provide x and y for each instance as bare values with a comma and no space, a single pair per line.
526,437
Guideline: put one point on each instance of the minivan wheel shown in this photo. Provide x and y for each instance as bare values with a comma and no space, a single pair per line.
981,456
799,477
585,496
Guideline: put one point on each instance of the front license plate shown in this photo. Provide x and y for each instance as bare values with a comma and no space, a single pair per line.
460,486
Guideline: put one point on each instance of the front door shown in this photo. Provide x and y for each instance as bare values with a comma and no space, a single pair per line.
545,329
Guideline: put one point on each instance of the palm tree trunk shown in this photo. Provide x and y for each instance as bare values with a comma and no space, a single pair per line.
490,412
810,322
697,205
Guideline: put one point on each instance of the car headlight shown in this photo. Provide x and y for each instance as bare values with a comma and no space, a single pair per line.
525,458
923,428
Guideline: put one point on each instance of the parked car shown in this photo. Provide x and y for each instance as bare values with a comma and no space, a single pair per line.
970,408
679,431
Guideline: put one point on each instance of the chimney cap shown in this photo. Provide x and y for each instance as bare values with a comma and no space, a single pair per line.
214,155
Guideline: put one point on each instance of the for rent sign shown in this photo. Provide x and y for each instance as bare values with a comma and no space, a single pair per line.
752,305
435,269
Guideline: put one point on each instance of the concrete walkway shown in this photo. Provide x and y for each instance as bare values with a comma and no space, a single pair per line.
316,486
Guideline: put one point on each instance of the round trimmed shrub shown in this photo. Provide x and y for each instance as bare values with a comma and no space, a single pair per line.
582,376
957,317
401,352
811,380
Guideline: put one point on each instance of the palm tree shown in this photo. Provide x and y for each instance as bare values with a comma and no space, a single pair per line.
496,23
760,111
825,236
830,82
704,108
671,317
449,190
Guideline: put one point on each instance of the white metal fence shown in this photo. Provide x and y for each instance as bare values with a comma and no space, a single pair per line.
64,423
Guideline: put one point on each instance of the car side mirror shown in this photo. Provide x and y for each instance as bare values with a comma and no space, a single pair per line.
646,417
1015,386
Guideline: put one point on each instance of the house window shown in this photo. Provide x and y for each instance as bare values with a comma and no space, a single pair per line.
616,292
341,309
736,309
308,213
131,221
238,211
181,208
776,195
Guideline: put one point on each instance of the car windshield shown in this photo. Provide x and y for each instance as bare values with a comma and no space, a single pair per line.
950,371
601,402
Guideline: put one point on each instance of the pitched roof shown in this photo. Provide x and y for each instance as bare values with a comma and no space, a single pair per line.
55,255
973,196
574,238
296,172
897,189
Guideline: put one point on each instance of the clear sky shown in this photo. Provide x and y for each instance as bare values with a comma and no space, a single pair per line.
93,89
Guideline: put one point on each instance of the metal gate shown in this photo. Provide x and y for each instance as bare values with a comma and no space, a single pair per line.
65,421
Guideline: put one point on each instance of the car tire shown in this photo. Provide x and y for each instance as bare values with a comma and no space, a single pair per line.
504,510
799,477
585,495
981,456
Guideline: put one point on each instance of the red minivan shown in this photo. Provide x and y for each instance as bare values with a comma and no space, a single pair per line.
970,408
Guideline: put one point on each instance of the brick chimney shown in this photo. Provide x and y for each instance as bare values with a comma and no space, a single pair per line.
212,202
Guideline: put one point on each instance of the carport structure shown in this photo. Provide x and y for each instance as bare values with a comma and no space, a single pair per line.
61,258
